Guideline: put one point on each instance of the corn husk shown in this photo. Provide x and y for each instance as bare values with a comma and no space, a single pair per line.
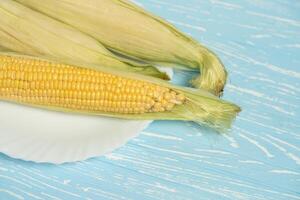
29,32
9,42
199,106
128,29
3,48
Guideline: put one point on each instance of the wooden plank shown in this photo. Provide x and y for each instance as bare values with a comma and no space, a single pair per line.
259,43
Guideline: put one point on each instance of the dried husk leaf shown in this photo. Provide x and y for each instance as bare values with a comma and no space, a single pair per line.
29,32
128,29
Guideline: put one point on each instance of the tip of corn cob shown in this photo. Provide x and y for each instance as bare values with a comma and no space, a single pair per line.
209,111
198,106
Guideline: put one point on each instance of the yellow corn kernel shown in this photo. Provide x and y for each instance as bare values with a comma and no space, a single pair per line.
38,82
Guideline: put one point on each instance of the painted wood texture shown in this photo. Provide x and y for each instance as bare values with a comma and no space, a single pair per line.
259,42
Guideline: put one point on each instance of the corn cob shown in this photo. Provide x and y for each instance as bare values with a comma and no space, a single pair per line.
29,32
44,83
129,30
66,87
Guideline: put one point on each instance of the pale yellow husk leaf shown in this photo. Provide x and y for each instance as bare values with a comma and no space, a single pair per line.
128,29
29,32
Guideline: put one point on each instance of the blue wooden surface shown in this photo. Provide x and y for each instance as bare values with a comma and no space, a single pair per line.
259,42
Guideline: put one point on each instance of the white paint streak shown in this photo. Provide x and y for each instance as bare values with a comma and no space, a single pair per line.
179,7
137,3
3,169
172,151
251,162
11,194
276,18
244,90
50,186
66,182
283,142
199,28
232,141
296,46
28,193
226,4
259,36
164,187
157,135
282,171
14,180
294,157
291,87
282,149
265,125
218,164
281,70
51,196
112,156
213,151
281,110
246,26
99,192
258,145
272,67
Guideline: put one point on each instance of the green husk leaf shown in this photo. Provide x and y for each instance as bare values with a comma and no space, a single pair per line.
29,32
130,30
201,107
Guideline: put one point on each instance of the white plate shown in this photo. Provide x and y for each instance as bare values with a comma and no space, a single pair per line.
53,137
